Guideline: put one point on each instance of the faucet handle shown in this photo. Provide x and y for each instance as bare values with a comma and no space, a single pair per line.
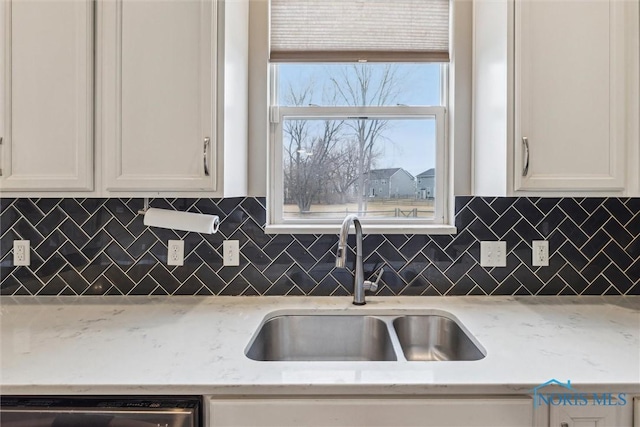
373,286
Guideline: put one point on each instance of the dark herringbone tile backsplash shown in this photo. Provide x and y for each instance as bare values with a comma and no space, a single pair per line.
101,247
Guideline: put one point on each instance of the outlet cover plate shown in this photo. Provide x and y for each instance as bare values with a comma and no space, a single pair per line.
231,253
21,252
540,253
175,252
493,254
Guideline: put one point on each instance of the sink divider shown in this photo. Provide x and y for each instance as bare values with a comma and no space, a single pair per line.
393,336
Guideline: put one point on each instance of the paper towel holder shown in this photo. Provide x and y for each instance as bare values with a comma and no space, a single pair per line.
179,220
145,208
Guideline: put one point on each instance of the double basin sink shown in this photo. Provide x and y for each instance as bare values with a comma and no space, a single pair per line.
331,336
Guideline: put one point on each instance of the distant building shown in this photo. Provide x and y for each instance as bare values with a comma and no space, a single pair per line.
426,184
394,183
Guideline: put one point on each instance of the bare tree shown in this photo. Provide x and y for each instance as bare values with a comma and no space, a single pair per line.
328,158
345,168
307,154
306,161
363,85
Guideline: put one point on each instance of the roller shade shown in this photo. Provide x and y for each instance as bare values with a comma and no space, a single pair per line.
353,30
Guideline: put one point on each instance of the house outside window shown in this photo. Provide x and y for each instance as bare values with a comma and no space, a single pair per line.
426,184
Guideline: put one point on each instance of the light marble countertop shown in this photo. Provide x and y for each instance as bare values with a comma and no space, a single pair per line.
195,345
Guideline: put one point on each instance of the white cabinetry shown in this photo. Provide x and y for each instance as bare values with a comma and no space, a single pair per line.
570,95
174,96
555,89
171,97
373,412
158,94
46,88
590,416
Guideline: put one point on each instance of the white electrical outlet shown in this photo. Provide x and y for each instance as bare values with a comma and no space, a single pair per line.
21,252
493,254
540,253
231,253
175,256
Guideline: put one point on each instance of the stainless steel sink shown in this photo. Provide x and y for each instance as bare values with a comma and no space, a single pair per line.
434,338
362,337
322,338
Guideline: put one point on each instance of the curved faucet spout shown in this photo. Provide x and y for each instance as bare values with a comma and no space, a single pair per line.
341,256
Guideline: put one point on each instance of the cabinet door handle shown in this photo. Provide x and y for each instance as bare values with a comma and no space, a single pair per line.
207,141
525,169
564,424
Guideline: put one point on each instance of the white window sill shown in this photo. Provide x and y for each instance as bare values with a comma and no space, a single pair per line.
366,229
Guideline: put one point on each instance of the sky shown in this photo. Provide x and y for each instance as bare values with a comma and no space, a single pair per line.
409,144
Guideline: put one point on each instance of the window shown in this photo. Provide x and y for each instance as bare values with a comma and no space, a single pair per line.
358,114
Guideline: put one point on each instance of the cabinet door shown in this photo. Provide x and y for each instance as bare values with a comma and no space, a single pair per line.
390,412
569,95
590,416
46,122
157,94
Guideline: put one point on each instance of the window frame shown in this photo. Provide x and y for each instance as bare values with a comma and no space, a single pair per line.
459,116
440,224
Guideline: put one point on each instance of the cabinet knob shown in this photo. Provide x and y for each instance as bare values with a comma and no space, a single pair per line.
564,424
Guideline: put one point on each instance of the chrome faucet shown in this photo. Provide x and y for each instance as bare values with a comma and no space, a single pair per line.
359,285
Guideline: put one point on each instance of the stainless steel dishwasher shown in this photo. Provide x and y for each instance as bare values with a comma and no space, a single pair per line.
113,411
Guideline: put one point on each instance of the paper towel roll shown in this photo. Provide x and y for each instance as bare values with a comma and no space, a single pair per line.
185,221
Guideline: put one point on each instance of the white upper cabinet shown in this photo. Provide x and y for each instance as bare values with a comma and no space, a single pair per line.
46,88
173,110
555,97
570,95
158,95
169,102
